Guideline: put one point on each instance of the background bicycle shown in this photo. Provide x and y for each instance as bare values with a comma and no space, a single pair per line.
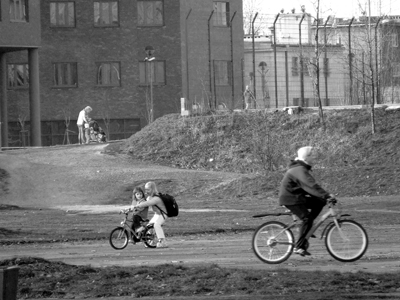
345,239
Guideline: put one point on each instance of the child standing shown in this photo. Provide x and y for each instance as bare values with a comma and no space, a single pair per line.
139,214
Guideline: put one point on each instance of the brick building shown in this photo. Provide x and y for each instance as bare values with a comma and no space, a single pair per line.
20,32
92,52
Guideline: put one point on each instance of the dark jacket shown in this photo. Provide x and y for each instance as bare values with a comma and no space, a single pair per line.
297,183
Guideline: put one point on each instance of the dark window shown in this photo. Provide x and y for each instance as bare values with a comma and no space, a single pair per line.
18,76
106,13
152,71
222,72
108,74
65,74
150,13
19,10
62,14
221,14
327,70
395,40
307,65
295,66
396,70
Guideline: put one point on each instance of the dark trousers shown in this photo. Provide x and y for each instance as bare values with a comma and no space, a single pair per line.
136,222
307,212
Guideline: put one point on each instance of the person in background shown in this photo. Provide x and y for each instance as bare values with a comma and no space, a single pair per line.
247,97
300,193
158,207
82,119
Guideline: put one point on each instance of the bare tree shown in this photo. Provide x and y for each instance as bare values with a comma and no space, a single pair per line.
250,8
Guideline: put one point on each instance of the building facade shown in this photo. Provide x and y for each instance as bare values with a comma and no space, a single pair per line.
358,62
20,32
94,53
282,73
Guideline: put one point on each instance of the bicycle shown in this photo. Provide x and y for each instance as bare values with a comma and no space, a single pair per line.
119,236
345,239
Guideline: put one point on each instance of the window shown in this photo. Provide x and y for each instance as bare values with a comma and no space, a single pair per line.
62,14
108,74
221,14
295,66
18,76
106,13
150,13
326,67
222,72
157,74
19,10
65,75
396,70
395,40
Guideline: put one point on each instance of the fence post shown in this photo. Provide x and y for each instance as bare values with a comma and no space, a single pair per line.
301,65
8,283
376,61
254,56
275,66
210,61
326,63
351,63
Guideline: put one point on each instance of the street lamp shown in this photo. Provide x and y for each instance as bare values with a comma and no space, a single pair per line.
149,58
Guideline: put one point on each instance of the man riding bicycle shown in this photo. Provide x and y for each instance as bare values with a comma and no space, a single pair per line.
300,193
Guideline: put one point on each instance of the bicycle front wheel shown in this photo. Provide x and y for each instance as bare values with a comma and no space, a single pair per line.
150,237
348,242
272,242
119,238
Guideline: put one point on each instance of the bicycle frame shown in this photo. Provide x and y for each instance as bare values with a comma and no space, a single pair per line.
330,213
126,226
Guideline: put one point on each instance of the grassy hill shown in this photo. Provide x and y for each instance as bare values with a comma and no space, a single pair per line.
354,162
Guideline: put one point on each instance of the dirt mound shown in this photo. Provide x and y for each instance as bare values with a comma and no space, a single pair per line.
355,161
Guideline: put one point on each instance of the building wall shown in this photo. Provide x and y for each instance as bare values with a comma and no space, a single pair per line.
86,44
199,47
20,34
288,81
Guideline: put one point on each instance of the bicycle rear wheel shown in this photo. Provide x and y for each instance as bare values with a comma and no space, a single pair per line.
119,238
149,237
348,242
272,243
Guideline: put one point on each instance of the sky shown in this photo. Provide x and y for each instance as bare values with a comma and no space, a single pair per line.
339,8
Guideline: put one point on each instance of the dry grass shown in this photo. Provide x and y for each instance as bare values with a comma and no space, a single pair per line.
39,278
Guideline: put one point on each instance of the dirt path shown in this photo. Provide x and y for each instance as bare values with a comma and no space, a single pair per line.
38,180
233,250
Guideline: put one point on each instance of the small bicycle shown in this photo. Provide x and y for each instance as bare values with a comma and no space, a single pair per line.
346,240
119,237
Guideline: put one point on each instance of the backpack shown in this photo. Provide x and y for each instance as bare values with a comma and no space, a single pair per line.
170,205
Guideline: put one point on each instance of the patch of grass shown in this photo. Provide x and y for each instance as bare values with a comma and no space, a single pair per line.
39,278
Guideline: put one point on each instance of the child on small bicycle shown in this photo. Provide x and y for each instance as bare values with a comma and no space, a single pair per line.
139,214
